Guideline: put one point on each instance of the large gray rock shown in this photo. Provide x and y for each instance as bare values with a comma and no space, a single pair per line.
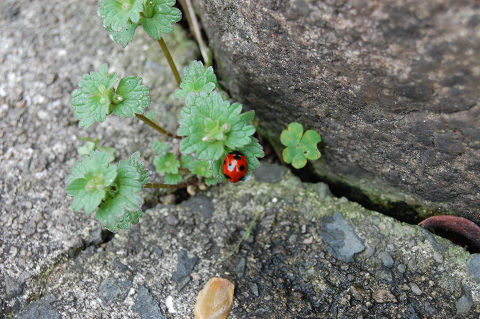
392,86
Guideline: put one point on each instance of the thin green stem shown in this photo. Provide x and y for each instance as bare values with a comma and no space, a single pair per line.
170,61
176,186
247,234
155,126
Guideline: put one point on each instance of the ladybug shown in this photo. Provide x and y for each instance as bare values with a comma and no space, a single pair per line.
234,167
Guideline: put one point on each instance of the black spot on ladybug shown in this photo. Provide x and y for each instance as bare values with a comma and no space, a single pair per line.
237,157
226,176
241,178
242,168
224,162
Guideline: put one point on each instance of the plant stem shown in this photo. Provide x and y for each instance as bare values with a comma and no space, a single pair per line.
155,126
176,186
247,234
195,27
170,61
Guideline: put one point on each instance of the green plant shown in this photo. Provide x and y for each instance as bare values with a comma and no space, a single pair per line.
300,147
210,126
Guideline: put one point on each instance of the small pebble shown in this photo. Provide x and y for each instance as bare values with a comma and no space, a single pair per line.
383,296
401,268
438,257
464,304
415,289
386,259
308,240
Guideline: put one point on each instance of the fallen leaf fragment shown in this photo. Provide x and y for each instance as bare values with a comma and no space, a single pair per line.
215,300
459,225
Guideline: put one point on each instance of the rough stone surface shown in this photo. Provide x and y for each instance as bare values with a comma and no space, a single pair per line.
56,271
340,238
39,310
392,86
146,306
185,265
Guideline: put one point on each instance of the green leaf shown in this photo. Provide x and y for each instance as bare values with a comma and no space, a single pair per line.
173,179
160,148
187,161
252,151
89,181
201,168
195,79
134,97
109,150
91,102
159,17
300,147
135,162
122,198
117,13
91,145
124,35
167,164
87,148
292,136
210,124
152,116
128,219
212,181
308,145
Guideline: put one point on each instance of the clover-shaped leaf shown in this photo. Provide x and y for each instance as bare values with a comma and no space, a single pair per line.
117,13
195,79
167,164
91,102
131,97
159,17
300,147
89,181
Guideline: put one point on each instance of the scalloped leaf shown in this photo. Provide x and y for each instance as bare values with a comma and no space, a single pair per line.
195,79
160,148
159,17
117,13
124,198
91,102
210,124
173,179
134,97
139,165
167,164
124,35
89,180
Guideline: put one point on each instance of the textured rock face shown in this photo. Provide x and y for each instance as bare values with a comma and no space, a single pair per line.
392,86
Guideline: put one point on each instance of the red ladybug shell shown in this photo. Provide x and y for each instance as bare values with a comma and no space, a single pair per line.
234,167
